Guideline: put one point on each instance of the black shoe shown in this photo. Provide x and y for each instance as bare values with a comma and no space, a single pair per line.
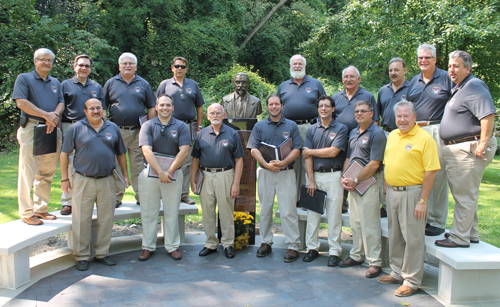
207,251
383,212
433,231
82,265
229,251
264,250
311,255
118,204
106,261
138,203
333,261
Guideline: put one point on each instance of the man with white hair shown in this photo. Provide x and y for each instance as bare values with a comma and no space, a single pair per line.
429,91
299,96
40,99
126,95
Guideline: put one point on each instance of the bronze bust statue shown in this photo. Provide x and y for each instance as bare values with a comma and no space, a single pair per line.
240,104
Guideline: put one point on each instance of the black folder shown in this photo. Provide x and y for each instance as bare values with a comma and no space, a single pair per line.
44,143
316,203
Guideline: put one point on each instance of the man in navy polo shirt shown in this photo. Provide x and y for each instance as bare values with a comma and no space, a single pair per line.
40,99
299,96
168,136
96,143
276,177
76,91
388,96
466,129
127,95
217,150
429,91
188,103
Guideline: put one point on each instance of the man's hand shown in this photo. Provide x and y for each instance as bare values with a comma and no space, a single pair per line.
275,166
51,118
127,182
480,151
235,190
165,177
306,152
420,210
50,127
348,184
311,188
65,186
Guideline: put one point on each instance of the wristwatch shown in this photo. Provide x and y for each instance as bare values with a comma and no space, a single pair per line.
422,201
355,179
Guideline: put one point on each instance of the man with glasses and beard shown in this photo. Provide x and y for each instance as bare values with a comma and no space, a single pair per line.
188,107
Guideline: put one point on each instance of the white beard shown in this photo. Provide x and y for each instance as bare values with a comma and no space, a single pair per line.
297,74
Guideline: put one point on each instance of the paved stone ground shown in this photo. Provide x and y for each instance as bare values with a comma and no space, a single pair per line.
214,280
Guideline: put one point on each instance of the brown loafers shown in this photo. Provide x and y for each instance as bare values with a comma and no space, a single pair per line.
388,279
45,216
176,255
32,220
291,255
347,262
405,291
373,271
145,255
66,210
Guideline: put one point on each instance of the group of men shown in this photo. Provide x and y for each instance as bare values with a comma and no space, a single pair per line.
418,130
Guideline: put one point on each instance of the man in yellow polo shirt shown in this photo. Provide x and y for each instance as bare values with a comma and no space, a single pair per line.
411,162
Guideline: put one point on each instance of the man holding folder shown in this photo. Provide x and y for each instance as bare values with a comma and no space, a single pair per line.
324,155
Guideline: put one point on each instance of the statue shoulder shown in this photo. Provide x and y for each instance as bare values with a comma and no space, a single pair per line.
228,98
253,98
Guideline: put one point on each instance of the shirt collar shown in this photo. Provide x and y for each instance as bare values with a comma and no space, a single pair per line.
412,132
37,76
222,129
104,124
281,121
306,79
157,121
75,80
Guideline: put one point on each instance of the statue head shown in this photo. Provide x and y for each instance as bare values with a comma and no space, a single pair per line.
241,83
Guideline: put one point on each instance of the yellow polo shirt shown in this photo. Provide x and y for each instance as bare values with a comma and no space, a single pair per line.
407,157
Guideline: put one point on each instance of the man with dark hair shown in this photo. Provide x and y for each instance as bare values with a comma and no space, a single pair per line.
76,91
366,146
240,104
324,153
466,129
163,135
126,95
96,143
188,107
40,99
429,91
276,178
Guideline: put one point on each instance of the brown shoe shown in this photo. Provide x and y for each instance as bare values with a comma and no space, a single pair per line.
373,271
176,255
347,262
145,255
264,250
45,216
404,291
291,255
188,200
66,210
388,279
449,243
32,220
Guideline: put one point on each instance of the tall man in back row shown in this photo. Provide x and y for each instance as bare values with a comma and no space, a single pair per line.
429,91
299,96
466,129
126,95
188,107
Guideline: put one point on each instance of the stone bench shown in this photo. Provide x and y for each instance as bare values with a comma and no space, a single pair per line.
465,274
16,238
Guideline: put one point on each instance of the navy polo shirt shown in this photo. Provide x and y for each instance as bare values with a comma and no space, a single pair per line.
45,95
76,94
175,134
217,151
299,101
344,108
430,98
387,99
318,137
470,102
367,146
128,101
185,98
94,151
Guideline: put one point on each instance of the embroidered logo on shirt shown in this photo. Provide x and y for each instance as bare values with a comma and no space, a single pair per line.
137,89
286,135
436,89
225,143
189,91
365,140
108,136
452,101
308,89
54,89
94,93
173,133
403,97
408,146
332,135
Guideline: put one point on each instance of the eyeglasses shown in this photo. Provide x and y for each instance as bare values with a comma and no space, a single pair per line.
127,64
180,66
182,94
162,131
45,60
350,77
420,58
215,113
83,66
326,106
361,111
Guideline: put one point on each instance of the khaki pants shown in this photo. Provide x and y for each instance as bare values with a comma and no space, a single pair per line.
406,236
299,167
136,162
216,190
281,184
331,184
465,173
364,216
34,172
153,193
66,198
86,192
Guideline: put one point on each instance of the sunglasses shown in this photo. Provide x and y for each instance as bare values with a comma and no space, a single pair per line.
180,66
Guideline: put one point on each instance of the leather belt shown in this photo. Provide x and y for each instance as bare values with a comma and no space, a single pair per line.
216,170
69,121
330,170
428,123
305,121
465,139
95,177
187,121
406,188
36,121
287,168
129,127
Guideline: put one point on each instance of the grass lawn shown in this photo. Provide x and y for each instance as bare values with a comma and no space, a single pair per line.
488,213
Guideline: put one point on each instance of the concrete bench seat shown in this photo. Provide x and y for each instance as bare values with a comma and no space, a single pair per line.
465,274
17,237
